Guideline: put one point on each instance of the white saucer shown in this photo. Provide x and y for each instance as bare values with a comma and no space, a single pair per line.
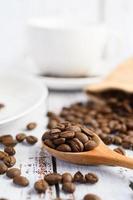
56,83
21,95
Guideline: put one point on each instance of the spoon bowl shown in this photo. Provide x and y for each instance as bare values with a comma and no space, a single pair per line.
101,155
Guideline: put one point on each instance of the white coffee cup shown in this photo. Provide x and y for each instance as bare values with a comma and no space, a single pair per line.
69,46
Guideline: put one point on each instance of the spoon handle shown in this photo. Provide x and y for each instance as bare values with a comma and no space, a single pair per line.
110,157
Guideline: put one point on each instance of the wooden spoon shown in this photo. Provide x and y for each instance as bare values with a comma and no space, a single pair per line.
121,79
101,155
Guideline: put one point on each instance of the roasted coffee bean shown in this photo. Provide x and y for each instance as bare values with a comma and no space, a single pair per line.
10,150
87,131
76,145
11,173
9,161
20,137
90,145
117,140
31,139
31,126
91,197
109,139
3,155
41,186
21,181
81,136
58,198
91,178
55,130
49,143
3,168
68,187
59,141
64,148
7,140
67,177
53,178
120,150
73,128
79,177
67,134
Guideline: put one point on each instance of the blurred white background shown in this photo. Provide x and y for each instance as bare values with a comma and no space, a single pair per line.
15,13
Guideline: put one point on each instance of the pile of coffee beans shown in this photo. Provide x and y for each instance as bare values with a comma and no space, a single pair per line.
111,117
68,182
70,137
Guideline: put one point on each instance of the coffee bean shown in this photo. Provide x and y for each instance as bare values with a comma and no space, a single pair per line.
64,148
117,140
31,126
7,140
57,198
76,145
20,137
73,128
59,141
53,178
10,150
67,134
90,145
68,187
55,130
120,150
49,143
11,173
81,136
79,177
41,186
3,155
9,161
91,178
67,177
31,139
21,181
3,168
87,131
108,139
91,197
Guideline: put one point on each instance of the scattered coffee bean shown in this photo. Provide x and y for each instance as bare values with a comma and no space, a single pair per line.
3,168
31,126
11,173
10,150
21,181
3,155
79,177
91,197
31,139
68,187
53,178
20,137
9,161
91,178
8,140
120,150
41,186
67,177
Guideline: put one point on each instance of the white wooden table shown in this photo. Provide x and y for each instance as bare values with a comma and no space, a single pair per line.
34,163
